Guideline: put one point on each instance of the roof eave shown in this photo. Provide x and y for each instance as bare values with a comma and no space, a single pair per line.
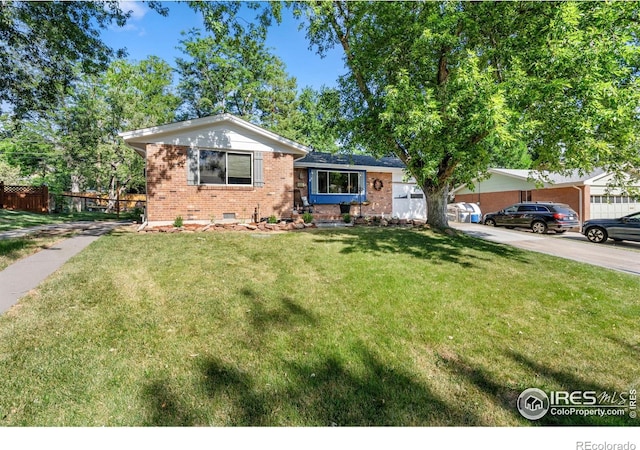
142,135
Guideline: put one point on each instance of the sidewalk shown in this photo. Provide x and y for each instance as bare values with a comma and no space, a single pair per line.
27,273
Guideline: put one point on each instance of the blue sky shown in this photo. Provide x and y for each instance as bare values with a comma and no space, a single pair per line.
148,33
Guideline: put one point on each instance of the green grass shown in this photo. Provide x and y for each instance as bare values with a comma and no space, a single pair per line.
14,249
13,220
345,327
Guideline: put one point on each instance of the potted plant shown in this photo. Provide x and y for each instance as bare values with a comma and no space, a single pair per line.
345,208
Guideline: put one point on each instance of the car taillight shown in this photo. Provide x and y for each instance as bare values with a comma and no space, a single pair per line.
559,216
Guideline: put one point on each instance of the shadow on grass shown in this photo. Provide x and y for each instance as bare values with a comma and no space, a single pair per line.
629,347
330,393
10,247
287,314
324,392
165,406
420,244
506,398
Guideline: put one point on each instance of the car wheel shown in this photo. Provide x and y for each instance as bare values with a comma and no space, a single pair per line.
597,235
539,227
490,222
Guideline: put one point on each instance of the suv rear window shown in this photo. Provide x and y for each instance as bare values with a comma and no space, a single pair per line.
564,210
523,208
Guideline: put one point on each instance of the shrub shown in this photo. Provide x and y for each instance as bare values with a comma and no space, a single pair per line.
272,219
307,217
178,222
346,218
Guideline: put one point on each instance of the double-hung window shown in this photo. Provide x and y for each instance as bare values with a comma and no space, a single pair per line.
227,168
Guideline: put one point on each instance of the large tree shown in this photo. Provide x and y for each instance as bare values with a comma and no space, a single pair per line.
449,87
236,74
43,43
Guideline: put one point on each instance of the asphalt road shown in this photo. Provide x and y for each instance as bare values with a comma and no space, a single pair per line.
622,256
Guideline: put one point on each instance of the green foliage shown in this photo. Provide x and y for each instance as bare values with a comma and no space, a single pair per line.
43,43
178,222
272,219
319,121
346,218
452,87
237,75
307,217
9,174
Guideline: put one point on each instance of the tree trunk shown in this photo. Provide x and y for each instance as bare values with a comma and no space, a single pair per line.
111,205
76,203
437,197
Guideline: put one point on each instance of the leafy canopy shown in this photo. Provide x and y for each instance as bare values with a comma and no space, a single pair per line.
451,87
43,44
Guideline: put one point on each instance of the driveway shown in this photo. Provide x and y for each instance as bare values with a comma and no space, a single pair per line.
621,256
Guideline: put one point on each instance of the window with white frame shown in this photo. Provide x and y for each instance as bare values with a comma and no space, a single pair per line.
218,167
334,182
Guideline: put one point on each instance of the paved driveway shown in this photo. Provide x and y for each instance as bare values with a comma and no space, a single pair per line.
622,256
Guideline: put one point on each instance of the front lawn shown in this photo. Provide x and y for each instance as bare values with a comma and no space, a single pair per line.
14,249
341,327
13,220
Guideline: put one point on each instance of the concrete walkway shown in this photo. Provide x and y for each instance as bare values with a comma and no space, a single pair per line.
26,274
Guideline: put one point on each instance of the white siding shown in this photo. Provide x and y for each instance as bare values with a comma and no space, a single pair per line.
499,183
228,136
409,201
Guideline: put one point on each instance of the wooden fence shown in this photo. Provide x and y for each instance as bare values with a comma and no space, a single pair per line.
91,201
24,198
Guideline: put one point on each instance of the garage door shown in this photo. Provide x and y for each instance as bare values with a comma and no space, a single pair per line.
604,206
408,201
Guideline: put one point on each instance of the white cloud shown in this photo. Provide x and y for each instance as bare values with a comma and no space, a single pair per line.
138,9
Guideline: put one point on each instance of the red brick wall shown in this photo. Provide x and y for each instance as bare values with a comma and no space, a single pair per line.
169,195
490,201
567,195
380,202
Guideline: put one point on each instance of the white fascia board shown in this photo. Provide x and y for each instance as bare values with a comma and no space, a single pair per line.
142,136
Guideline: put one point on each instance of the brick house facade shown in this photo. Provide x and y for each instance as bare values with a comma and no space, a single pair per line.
169,194
222,167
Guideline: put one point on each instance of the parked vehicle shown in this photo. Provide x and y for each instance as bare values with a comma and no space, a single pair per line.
538,216
625,228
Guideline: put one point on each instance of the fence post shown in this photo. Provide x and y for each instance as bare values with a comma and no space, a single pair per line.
1,194
45,198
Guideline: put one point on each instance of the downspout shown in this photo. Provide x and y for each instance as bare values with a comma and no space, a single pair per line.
580,204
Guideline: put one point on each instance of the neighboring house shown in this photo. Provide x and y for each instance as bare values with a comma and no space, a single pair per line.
222,167
589,194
